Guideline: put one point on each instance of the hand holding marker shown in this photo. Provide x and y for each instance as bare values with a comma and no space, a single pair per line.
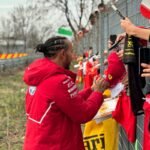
116,10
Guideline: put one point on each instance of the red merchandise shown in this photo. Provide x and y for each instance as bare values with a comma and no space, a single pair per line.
115,69
145,8
55,109
146,107
123,115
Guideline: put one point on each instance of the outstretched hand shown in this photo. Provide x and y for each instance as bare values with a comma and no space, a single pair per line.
120,54
100,84
146,70
127,26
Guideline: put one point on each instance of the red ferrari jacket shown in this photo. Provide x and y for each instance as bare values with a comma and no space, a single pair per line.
55,109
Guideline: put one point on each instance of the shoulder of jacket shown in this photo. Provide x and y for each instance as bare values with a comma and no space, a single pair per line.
65,77
65,83
61,78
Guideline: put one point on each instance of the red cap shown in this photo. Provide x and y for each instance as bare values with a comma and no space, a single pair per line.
145,8
116,69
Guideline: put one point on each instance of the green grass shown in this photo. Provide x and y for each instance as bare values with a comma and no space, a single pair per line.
12,115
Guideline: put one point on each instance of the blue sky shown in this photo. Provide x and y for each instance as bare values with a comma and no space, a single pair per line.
7,5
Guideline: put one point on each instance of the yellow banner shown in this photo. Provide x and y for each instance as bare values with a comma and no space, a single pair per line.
102,136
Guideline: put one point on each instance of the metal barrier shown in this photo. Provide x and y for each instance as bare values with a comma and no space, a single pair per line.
109,23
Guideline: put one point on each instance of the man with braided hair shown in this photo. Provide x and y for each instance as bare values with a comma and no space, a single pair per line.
55,108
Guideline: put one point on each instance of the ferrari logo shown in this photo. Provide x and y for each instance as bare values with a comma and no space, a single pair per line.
109,76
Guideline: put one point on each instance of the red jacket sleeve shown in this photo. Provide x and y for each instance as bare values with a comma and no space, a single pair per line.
74,105
85,93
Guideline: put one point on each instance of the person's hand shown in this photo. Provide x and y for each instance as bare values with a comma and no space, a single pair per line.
120,36
146,70
120,54
127,26
125,81
105,62
100,84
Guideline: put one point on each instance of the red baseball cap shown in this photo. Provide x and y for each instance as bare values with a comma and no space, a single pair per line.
116,69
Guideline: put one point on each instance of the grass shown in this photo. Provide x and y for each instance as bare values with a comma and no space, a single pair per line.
12,115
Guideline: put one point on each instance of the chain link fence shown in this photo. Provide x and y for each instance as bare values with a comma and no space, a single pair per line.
109,23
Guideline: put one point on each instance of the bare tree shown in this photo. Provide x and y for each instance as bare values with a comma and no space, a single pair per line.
6,32
40,19
19,21
76,12
29,26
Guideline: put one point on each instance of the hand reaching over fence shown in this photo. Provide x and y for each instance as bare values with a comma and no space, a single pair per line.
146,70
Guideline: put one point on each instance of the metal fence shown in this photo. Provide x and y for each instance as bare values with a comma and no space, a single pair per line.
7,65
109,23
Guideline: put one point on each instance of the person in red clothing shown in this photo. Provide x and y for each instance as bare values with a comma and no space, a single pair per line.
93,70
54,106
87,78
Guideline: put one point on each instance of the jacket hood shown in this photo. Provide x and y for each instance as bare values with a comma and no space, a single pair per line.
41,69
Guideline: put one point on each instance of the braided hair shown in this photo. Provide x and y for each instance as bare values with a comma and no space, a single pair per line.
52,46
